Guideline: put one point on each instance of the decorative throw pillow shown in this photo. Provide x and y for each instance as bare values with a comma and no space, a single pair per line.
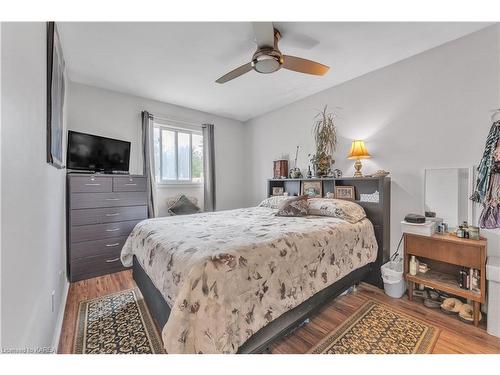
173,200
273,202
342,209
183,206
296,206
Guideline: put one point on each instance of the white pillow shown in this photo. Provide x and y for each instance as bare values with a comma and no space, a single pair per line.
342,209
274,201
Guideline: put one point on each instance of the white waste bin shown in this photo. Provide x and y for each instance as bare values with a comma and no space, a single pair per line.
392,276
493,277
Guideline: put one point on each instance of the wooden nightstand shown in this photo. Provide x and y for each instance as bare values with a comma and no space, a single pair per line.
445,255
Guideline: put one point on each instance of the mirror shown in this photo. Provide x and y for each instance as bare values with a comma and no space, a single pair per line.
447,192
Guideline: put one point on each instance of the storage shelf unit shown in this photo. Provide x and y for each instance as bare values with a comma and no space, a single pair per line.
445,255
444,282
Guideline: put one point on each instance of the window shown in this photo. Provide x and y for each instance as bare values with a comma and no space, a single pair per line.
178,155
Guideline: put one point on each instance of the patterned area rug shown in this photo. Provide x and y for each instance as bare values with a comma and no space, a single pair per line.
378,329
116,324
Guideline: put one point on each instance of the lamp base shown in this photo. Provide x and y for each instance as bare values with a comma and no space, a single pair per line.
357,167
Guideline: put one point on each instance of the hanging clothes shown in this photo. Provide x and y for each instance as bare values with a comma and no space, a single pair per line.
489,179
484,168
490,217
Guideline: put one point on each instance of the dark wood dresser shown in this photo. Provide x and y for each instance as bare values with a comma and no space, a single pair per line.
102,210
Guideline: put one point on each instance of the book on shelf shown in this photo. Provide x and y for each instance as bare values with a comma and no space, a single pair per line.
469,279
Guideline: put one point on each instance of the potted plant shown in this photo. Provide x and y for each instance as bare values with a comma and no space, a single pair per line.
325,136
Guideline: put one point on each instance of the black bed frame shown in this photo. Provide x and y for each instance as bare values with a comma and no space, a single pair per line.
260,342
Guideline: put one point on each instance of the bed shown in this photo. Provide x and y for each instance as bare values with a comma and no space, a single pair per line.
234,281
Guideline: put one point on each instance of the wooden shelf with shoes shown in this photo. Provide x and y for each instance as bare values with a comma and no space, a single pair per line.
446,255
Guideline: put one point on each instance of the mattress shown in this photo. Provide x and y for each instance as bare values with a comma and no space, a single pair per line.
227,274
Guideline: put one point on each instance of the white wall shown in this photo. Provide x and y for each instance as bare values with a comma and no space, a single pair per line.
117,115
428,111
33,218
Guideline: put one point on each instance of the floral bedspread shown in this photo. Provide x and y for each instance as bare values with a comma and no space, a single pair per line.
227,274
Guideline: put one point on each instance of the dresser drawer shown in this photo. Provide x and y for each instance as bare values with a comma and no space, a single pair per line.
102,231
86,268
98,200
107,215
110,246
129,183
90,184
463,254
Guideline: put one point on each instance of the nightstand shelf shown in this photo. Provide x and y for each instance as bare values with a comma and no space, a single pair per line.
445,255
444,282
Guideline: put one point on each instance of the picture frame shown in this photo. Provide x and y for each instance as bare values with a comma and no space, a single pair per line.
345,192
278,190
55,97
313,189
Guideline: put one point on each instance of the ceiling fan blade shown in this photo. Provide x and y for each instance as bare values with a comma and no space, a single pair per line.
264,34
300,65
235,73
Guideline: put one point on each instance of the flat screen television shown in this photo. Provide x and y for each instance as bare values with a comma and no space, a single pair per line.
97,154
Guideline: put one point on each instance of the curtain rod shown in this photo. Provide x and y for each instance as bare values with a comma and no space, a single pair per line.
153,117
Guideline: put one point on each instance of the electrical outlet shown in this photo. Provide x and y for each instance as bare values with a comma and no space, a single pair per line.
53,302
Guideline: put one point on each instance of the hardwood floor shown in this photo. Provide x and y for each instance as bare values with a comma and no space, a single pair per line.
455,336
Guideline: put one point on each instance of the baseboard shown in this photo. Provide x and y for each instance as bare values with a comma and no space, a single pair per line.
60,317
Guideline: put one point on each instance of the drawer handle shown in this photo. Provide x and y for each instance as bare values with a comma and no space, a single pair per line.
112,199
115,214
131,184
112,260
92,184
112,244
112,230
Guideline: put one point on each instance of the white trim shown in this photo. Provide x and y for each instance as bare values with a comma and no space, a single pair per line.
60,316
177,124
178,128
179,184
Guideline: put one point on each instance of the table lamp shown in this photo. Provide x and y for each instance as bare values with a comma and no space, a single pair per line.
358,152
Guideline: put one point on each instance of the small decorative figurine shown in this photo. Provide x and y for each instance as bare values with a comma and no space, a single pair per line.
295,172
309,172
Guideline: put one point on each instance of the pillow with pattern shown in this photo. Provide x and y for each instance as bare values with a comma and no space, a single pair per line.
342,209
295,206
183,206
274,201
173,200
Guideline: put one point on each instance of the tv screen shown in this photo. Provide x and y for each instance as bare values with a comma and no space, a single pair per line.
95,153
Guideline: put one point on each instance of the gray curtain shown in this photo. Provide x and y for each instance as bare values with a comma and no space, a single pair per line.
147,158
208,167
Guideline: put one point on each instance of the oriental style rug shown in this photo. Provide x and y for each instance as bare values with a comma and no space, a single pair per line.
378,329
118,323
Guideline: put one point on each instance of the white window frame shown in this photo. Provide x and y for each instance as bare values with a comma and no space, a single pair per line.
166,182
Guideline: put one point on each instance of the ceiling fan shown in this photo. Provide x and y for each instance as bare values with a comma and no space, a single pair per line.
269,59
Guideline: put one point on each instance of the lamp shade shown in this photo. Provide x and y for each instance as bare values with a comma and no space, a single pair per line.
358,150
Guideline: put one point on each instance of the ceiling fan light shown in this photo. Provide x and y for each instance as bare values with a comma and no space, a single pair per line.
266,64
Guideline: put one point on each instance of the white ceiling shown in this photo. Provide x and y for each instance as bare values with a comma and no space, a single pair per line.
178,62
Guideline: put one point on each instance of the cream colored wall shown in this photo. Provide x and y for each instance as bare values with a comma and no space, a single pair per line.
428,111
116,115
33,196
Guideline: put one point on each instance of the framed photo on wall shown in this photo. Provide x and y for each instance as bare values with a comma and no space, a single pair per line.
55,97
345,192
312,188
